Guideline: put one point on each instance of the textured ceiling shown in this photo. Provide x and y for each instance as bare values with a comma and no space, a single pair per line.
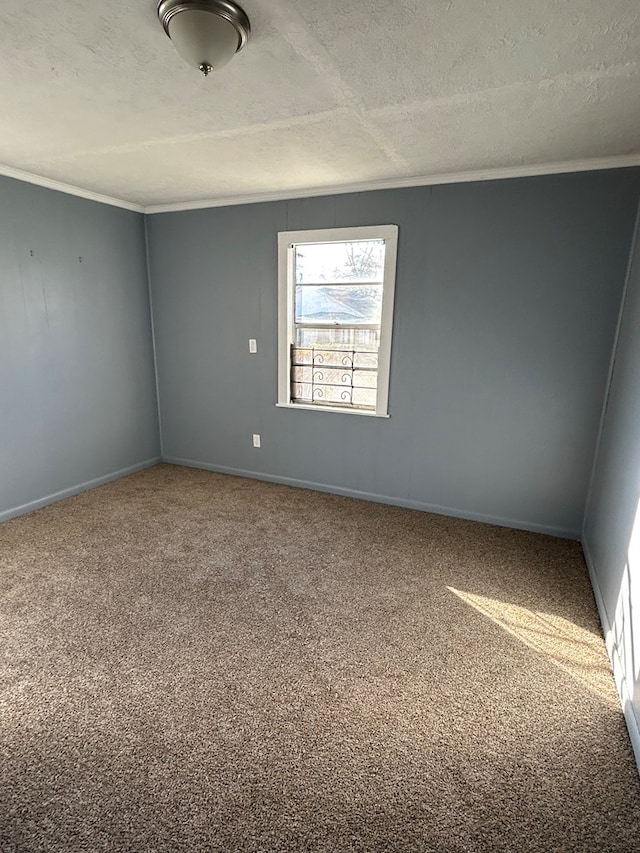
326,94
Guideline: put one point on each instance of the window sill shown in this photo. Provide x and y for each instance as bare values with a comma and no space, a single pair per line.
334,409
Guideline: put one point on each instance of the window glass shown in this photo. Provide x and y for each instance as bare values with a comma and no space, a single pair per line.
351,304
353,261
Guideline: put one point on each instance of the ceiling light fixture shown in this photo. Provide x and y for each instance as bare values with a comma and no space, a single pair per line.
207,33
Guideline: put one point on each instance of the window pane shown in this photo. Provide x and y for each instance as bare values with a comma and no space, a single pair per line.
350,304
301,374
365,379
365,359
333,395
360,339
332,376
359,261
301,355
333,358
364,397
301,393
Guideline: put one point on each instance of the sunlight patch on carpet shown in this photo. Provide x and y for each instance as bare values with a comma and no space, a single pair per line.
573,649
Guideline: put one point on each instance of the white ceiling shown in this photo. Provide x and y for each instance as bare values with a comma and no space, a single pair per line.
328,94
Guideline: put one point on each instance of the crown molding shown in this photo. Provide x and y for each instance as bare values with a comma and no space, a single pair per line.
69,189
471,176
592,165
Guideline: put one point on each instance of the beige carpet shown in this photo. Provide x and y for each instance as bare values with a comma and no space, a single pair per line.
194,662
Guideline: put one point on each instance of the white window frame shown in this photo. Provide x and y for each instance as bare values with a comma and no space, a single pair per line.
287,241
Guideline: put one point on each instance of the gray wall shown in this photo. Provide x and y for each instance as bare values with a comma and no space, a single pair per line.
506,302
77,393
611,538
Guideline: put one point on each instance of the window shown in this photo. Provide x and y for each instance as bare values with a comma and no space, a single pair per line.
335,307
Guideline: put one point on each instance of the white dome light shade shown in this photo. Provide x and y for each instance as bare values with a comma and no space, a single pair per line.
203,39
206,33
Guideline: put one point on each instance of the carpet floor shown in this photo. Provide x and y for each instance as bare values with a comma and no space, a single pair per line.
195,662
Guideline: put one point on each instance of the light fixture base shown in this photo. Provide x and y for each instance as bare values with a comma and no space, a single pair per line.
226,9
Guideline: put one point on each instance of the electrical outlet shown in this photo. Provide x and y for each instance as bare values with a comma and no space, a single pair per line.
253,345
256,440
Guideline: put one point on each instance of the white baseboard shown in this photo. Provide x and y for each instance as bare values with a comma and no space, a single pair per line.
614,656
407,503
75,490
